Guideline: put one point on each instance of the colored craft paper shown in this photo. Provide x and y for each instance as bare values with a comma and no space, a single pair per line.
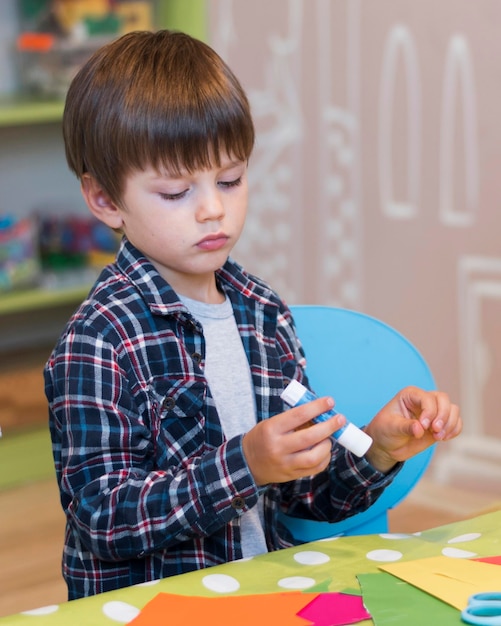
335,609
493,560
263,609
451,580
392,602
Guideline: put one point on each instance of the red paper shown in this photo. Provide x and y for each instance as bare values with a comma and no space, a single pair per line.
493,560
265,610
335,609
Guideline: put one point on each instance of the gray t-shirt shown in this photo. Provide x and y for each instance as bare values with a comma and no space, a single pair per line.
228,374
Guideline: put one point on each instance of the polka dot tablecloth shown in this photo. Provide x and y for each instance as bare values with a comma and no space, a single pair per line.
331,564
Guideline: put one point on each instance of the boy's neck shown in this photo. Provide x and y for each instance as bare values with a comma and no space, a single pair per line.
209,294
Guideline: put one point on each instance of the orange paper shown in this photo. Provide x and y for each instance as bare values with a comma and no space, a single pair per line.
263,609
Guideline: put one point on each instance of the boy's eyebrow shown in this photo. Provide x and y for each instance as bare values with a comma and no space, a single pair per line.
165,173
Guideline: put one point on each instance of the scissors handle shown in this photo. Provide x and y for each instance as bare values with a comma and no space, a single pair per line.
484,609
493,598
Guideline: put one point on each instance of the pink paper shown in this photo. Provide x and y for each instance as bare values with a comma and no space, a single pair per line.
335,609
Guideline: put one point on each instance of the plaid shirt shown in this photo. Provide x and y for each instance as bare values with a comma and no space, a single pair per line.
148,482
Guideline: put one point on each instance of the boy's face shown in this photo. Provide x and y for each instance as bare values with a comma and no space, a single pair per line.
186,225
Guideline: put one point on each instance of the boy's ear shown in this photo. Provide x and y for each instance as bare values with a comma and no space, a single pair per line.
100,203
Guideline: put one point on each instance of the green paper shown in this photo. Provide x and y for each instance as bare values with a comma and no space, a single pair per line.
392,601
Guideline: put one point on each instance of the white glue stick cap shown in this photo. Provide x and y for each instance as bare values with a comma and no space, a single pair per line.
355,440
293,392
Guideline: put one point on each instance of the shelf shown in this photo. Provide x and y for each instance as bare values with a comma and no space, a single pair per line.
23,110
18,110
38,298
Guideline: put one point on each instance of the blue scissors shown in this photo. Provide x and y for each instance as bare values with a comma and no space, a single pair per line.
483,609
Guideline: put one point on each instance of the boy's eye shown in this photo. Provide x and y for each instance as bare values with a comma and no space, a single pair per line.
231,183
173,196
225,184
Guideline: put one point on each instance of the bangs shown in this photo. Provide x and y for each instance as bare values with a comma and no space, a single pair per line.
183,112
189,137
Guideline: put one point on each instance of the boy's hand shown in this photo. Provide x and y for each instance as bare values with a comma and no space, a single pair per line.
280,449
411,422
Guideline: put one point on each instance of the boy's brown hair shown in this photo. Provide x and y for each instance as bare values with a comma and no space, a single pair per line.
161,99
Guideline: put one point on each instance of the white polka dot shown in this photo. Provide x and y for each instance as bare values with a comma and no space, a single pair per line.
43,610
296,582
310,557
394,536
120,611
385,556
463,538
220,583
456,553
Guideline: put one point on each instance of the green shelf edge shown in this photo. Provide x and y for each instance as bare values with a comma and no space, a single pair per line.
33,299
21,111
189,16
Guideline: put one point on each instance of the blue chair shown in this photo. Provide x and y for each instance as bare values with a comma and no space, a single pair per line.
362,363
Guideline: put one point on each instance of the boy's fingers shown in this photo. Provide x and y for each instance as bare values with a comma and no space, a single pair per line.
310,435
302,415
313,460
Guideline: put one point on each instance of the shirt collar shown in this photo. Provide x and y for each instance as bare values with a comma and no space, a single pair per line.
160,296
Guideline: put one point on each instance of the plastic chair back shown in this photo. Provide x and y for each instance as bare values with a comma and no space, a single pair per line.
362,363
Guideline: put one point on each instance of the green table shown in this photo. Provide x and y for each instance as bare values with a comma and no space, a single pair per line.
326,565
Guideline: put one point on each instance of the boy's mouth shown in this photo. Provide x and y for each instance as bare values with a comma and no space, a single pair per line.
214,241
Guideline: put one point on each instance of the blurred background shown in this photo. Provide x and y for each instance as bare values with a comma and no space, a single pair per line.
375,185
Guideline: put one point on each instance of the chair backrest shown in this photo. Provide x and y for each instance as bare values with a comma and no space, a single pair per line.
362,363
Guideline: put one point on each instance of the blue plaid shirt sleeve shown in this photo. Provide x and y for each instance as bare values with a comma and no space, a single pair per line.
121,500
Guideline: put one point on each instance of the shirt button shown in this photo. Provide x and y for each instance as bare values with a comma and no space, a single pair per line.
197,357
168,403
238,503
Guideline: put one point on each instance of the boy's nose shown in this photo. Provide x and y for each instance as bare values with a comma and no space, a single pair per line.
210,207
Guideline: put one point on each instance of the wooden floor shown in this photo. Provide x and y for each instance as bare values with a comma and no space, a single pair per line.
30,548
32,532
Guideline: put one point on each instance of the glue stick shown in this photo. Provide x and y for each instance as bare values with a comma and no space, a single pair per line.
350,436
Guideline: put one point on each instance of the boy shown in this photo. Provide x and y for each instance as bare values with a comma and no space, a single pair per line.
172,447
